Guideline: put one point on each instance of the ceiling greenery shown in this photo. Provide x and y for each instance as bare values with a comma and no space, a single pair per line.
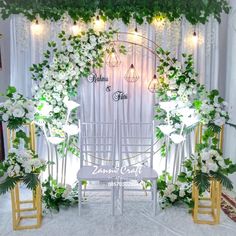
195,11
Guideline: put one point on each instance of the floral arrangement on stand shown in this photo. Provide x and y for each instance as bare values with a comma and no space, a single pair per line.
16,110
22,165
183,104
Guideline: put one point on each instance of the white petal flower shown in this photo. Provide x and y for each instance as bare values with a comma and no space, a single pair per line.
177,138
168,106
71,129
5,117
55,140
166,129
18,112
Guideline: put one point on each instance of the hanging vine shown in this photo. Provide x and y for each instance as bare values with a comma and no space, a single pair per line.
195,11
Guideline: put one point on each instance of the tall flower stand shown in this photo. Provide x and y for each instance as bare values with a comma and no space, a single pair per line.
33,210
33,207
207,205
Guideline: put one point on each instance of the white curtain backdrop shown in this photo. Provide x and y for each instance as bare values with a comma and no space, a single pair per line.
230,94
96,103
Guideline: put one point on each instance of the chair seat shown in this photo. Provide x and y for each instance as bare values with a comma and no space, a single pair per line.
97,173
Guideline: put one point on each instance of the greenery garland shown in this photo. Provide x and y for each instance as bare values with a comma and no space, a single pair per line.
195,11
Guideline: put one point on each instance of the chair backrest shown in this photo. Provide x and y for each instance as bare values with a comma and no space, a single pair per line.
136,144
97,143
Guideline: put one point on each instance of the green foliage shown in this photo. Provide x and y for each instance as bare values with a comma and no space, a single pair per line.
202,181
31,181
224,180
10,91
54,195
8,184
195,11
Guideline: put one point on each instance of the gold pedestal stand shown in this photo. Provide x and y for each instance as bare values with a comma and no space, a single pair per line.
33,209
211,204
19,213
207,205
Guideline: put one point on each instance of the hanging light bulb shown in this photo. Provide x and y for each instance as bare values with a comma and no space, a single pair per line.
159,23
131,75
113,59
36,28
75,29
194,38
153,85
99,24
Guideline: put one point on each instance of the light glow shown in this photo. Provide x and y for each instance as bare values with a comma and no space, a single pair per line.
36,28
99,24
76,30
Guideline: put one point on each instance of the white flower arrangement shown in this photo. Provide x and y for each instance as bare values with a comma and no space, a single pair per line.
183,103
56,79
22,164
16,110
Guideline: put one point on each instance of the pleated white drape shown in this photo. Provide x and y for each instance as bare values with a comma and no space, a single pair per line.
96,103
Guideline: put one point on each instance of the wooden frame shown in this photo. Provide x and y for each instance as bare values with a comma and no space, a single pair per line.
212,208
20,213
213,200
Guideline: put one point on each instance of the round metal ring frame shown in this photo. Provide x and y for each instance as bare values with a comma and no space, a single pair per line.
117,40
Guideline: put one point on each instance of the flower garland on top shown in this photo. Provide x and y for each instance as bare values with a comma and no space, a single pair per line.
183,103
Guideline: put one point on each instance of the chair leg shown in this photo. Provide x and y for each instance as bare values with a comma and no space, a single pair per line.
79,196
122,197
154,190
113,198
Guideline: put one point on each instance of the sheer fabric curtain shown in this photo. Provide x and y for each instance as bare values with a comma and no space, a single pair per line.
97,104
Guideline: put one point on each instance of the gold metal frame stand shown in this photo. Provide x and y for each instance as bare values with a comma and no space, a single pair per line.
20,213
33,210
210,204
207,205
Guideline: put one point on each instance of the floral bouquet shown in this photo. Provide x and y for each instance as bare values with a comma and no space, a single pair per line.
171,193
209,164
56,195
16,110
22,165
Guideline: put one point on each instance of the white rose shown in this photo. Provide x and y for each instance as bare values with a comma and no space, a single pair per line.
30,116
204,169
17,169
173,197
56,109
219,121
18,112
16,96
221,163
205,156
181,193
28,169
5,117
212,166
